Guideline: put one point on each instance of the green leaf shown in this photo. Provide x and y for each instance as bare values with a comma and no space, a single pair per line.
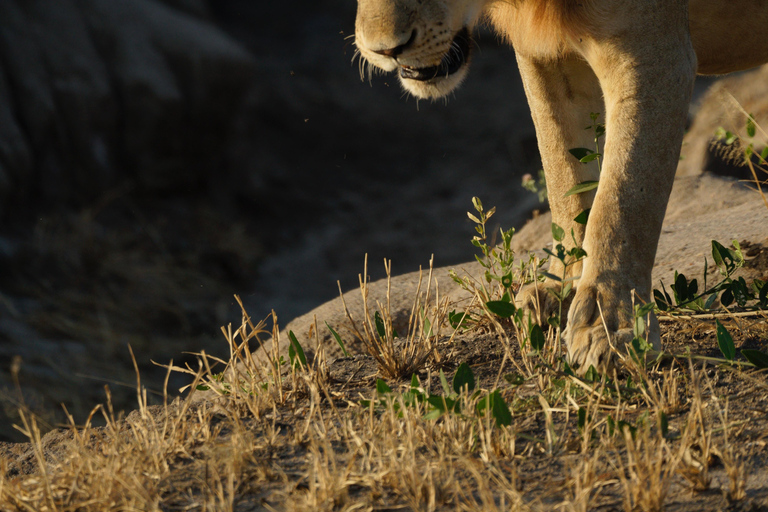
599,130
639,327
584,186
578,253
558,233
717,251
750,126
726,299
661,301
537,338
582,418
295,352
680,289
589,158
580,153
763,297
764,154
499,410
592,375
664,424
459,320
437,402
338,340
444,383
611,425
757,358
380,326
645,309
567,289
382,388
553,277
582,217
463,377
501,308
725,341
626,426
427,325
740,291
639,348
727,259
693,289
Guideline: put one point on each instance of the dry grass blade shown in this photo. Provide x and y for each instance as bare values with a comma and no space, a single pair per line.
645,475
397,356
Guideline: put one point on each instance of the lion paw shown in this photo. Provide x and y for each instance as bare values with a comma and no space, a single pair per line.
597,340
594,346
536,301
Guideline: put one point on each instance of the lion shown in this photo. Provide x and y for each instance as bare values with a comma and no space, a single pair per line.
633,61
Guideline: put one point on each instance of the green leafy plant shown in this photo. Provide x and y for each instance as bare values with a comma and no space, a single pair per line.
568,257
745,151
338,340
585,156
398,356
728,349
296,352
640,346
496,259
686,296
455,399
501,275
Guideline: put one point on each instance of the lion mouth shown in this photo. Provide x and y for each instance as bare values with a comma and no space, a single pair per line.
451,62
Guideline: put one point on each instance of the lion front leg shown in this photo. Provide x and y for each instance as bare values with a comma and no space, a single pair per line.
562,94
647,76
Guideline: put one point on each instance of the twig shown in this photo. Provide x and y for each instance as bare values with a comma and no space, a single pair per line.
712,316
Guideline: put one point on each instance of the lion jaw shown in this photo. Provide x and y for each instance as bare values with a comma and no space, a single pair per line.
429,45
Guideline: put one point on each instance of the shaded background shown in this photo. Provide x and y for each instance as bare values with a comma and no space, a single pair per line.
157,157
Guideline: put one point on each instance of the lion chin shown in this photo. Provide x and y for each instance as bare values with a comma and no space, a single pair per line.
430,64
434,88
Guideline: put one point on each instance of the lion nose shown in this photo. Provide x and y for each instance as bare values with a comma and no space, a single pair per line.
395,51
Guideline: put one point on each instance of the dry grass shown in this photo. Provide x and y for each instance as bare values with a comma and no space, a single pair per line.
259,433
399,357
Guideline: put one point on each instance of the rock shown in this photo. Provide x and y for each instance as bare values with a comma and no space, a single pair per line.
95,92
725,105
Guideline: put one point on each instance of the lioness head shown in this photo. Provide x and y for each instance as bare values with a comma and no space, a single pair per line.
426,41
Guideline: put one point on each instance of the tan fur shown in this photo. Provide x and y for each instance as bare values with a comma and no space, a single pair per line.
542,27
633,61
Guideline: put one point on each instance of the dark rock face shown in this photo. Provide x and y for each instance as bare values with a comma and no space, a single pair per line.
94,92
157,157
119,122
